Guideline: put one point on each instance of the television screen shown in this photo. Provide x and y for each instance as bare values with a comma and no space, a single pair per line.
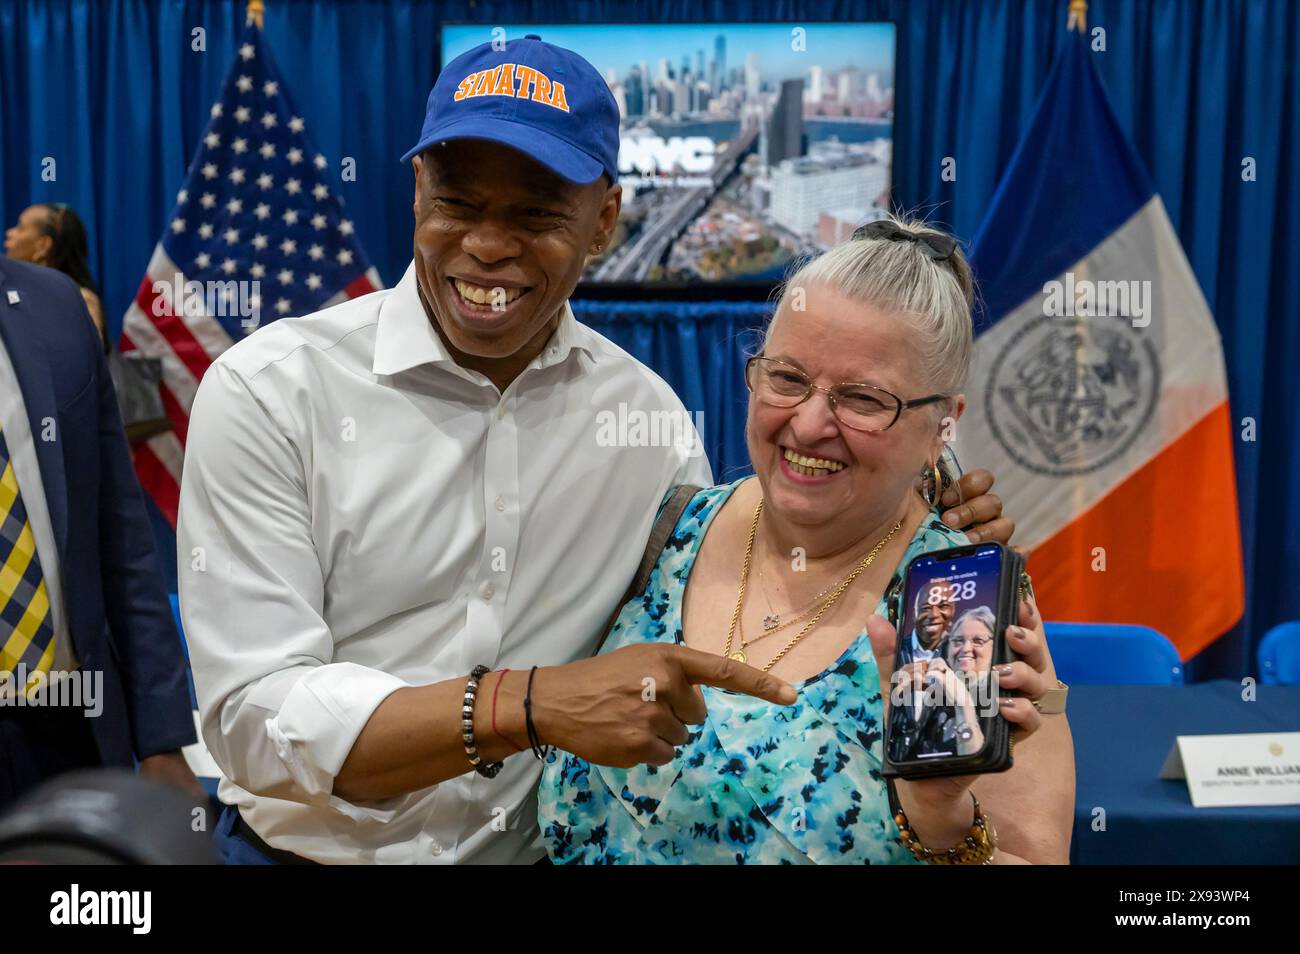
743,146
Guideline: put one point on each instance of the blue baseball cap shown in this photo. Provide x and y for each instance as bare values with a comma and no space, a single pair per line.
543,100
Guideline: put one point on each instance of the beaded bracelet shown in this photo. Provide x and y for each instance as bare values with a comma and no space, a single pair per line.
486,769
976,848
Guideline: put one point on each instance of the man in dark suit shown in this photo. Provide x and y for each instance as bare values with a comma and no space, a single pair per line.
86,629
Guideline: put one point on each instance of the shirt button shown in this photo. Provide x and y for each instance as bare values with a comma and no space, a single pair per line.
501,410
436,849
501,503
486,591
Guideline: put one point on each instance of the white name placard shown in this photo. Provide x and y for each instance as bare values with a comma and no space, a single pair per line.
1259,768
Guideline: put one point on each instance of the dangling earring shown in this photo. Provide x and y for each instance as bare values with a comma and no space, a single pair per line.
934,493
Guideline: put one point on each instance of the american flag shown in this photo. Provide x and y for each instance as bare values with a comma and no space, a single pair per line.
257,234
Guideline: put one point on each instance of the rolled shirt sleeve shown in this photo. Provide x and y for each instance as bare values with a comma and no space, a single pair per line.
278,714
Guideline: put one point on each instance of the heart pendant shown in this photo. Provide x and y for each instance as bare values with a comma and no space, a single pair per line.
771,622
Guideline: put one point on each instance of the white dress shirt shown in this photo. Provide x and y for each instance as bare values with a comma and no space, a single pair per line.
359,513
18,436
917,653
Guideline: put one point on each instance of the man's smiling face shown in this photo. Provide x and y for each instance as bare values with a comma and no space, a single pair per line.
500,243
935,613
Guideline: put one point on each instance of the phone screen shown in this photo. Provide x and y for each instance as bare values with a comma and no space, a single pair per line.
944,694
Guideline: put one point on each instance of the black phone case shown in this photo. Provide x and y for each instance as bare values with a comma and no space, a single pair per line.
996,755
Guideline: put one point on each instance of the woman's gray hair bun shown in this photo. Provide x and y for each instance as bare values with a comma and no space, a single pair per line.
900,267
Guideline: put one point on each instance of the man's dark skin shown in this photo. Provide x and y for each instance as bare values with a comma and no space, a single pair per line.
935,615
491,216
494,217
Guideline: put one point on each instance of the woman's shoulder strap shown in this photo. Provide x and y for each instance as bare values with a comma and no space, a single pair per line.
664,524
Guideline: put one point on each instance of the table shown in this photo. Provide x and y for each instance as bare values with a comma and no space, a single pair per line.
1121,737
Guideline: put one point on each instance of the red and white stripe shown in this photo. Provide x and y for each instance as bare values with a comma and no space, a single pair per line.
186,345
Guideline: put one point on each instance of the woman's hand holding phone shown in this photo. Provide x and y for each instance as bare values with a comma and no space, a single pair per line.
940,808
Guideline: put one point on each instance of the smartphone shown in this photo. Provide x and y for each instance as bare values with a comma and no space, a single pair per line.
951,613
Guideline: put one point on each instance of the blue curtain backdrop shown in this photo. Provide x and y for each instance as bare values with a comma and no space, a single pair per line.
113,91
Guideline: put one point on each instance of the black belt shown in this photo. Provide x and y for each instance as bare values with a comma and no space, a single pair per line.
249,837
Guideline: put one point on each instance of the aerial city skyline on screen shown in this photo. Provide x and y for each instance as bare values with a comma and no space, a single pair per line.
743,146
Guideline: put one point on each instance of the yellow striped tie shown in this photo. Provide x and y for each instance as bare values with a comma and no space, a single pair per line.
26,628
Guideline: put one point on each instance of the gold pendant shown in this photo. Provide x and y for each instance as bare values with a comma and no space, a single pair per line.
739,656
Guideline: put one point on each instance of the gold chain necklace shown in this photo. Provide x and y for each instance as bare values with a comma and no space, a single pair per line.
739,654
746,643
773,620
776,622
772,631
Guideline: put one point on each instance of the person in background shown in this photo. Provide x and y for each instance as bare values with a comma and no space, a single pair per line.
83,609
51,234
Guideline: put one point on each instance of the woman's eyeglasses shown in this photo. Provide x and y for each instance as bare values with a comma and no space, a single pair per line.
976,642
862,407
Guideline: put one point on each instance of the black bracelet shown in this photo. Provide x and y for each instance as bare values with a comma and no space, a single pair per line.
539,750
486,769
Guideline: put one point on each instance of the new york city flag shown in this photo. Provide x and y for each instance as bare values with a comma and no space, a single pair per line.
1097,392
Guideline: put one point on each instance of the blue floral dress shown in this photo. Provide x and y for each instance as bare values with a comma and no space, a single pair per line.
756,783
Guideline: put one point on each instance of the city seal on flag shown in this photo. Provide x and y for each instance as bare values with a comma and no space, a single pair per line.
1097,387
1068,396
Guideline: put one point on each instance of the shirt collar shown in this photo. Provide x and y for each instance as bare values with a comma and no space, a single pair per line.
920,652
570,336
405,338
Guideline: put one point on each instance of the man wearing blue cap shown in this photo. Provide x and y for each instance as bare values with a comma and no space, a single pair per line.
386,496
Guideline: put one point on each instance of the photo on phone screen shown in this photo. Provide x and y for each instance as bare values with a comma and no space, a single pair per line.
944,695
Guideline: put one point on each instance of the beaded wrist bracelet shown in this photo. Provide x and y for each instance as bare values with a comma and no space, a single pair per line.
976,848
486,769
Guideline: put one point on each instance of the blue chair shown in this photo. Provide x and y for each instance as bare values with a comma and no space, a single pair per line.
1279,656
1109,654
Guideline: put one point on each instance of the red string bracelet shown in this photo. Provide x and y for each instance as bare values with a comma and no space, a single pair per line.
495,730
